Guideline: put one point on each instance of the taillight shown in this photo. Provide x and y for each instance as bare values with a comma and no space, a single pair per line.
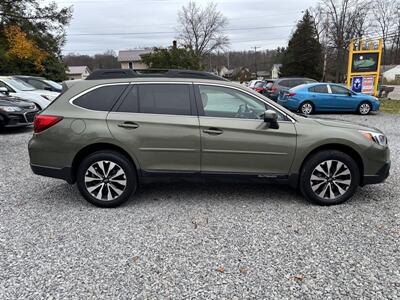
291,94
43,122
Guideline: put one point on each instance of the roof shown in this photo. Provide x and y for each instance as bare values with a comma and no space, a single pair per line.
132,55
76,69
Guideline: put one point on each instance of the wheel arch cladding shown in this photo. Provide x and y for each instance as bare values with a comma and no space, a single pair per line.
339,147
84,152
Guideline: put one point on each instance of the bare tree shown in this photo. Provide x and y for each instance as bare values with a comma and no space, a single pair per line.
346,20
202,28
385,13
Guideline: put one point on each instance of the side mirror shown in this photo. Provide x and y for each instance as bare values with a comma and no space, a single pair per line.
47,88
4,90
350,93
271,117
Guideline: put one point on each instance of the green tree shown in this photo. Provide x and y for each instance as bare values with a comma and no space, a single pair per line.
172,58
44,26
303,56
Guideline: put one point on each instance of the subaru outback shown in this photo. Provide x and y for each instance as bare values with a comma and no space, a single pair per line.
120,128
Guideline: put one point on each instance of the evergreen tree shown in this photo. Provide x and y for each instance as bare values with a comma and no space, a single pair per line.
172,58
303,56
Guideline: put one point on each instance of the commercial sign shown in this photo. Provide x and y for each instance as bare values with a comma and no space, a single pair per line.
364,67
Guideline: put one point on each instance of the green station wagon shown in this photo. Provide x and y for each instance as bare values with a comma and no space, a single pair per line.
120,128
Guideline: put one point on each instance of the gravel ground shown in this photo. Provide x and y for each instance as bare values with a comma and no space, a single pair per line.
196,241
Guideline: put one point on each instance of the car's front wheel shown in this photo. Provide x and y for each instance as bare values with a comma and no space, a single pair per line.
106,178
364,108
306,108
329,177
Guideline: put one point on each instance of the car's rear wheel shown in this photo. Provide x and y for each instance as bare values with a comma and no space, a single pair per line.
106,178
329,177
306,108
364,108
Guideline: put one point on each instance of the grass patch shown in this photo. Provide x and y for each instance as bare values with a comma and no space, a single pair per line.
390,106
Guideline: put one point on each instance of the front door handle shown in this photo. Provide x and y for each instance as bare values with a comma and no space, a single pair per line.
214,131
128,125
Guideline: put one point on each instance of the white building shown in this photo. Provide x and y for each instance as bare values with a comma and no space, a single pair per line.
130,59
390,72
77,72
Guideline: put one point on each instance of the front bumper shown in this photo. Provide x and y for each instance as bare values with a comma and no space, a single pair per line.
379,177
18,119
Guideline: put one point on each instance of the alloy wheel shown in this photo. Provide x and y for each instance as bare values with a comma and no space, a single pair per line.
307,108
330,179
105,180
364,108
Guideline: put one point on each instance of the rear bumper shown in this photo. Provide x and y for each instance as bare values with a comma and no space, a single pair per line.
60,173
379,177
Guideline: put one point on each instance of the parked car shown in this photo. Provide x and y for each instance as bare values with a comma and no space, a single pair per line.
112,134
267,89
327,97
262,86
41,83
283,85
15,112
252,83
19,88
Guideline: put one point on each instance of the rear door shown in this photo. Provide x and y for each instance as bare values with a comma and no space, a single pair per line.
320,96
234,137
158,122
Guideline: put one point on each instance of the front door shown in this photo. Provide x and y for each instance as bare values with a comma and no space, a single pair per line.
342,98
158,123
234,137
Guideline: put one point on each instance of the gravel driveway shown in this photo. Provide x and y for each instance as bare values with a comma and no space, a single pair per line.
196,241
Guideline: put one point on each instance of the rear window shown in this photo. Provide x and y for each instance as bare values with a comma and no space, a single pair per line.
173,99
102,98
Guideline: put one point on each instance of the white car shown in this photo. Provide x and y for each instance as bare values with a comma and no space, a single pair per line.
252,83
18,88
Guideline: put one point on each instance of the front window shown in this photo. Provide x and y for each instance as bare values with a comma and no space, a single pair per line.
230,103
259,84
341,90
53,84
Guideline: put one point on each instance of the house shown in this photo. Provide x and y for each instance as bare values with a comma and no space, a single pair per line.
225,72
275,71
390,73
130,59
77,72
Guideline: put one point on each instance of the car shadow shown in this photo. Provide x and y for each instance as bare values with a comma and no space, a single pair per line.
17,130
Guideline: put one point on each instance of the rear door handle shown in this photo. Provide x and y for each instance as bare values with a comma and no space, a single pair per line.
128,125
214,131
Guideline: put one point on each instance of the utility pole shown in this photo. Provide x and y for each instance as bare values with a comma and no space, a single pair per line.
255,59
326,48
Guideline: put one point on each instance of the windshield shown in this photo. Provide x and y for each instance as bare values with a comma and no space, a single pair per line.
19,85
53,84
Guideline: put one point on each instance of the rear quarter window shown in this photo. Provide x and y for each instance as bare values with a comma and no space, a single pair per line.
102,98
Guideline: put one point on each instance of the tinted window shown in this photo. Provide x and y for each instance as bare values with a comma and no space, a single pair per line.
37,84
323,89
102,98
285,83
230,103
131,101
171,99
339,90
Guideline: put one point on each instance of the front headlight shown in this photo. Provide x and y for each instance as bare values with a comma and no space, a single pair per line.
376,137
10,108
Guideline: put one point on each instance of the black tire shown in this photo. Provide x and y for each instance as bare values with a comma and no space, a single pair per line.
364,108
110,184
342,187
307,108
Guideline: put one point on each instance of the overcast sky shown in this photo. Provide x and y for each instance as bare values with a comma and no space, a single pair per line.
100,25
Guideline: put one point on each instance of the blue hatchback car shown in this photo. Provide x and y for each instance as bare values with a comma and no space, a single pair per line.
327,97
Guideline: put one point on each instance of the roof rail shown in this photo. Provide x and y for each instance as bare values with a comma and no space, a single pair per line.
170,73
